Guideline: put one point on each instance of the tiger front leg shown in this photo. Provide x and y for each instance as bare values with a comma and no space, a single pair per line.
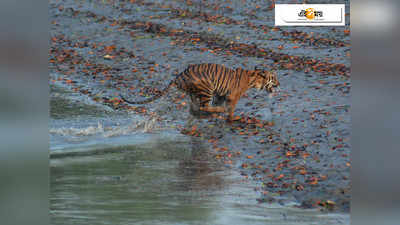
231,108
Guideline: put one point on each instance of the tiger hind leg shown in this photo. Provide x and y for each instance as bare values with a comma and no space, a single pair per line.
201,107
205,105
195,110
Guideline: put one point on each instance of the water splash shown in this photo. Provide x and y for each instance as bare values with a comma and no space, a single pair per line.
135,126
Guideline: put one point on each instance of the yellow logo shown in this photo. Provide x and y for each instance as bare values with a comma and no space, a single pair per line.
310,13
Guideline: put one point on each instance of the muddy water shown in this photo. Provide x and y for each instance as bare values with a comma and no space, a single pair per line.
167,183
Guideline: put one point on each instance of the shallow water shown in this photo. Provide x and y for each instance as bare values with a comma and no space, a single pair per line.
167,183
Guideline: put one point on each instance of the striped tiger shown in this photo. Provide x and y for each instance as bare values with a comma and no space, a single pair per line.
211,85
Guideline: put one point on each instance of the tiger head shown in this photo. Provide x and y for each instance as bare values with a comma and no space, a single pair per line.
266,80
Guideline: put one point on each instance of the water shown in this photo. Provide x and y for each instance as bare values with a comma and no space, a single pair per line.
107,168
168,183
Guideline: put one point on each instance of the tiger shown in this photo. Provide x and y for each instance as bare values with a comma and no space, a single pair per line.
214,88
